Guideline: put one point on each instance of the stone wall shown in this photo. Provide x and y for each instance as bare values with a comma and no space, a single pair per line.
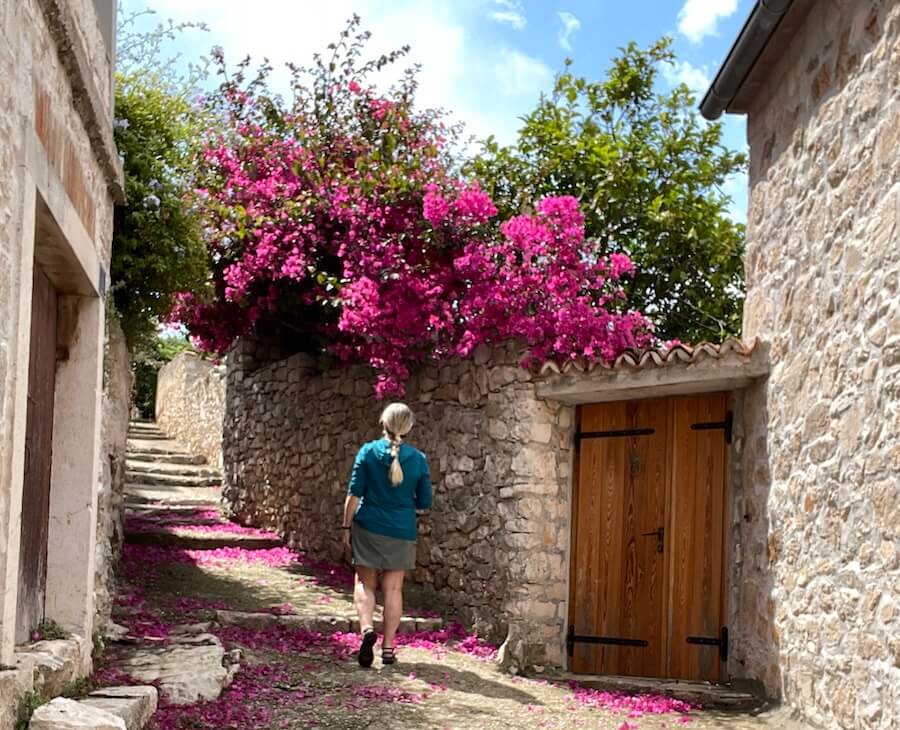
493,547
117,385
190,404
60,176
822,512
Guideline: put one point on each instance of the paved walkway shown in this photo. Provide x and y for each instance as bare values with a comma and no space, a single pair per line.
285,625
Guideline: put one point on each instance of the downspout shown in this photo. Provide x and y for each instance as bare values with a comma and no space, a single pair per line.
743,54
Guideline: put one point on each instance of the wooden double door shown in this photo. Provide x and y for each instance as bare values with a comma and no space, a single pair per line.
648,539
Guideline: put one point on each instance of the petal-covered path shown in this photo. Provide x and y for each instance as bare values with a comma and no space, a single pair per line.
285,623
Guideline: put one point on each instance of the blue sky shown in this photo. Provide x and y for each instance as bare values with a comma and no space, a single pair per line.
486,61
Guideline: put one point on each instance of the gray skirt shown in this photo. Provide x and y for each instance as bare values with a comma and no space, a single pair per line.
371,550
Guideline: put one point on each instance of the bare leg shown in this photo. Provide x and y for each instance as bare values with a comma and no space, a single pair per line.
364,595
392,585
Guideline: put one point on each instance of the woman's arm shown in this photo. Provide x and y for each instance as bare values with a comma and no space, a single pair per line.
350,505
423,489
355,491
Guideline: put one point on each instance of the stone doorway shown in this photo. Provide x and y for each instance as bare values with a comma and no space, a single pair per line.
646,584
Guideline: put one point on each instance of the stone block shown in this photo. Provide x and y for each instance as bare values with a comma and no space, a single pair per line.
57,664
14,685
64,714
188,671
135,705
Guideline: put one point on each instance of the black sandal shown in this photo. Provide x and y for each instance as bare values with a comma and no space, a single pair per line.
366,652
387,655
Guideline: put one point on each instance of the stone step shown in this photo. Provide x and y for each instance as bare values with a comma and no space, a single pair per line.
710,696
323,623
143,427
163,445
189,669
170,480
162,468
135,705
163,456
66,714
54,663
201,541
147,436
199,497
170,511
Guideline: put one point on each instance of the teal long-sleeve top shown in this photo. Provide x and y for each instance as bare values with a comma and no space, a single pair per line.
383,508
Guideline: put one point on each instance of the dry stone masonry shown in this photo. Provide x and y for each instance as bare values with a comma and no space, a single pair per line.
190,404
820,588
493,547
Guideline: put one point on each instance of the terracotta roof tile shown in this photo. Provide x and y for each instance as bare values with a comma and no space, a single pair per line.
657,357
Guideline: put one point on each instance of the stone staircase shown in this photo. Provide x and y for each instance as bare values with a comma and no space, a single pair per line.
159,473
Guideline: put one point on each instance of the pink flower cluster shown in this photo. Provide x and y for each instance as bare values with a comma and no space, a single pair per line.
353,234
636,705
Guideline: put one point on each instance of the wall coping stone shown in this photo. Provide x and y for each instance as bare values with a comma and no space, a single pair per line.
731,370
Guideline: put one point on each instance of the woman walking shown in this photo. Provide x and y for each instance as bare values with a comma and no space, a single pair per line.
390,481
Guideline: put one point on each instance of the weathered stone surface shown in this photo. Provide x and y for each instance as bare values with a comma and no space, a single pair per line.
64,714
14,685
815,521
135,705
56,664
117,386
201,541
190,404
191,669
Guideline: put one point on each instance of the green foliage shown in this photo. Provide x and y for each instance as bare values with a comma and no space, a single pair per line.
49,630
27,707
648,174
157,246
80,688
152,355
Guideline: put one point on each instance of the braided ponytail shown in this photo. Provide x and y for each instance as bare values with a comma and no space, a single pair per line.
397,421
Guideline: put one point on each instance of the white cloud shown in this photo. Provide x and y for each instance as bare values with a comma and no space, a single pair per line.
518,75
570,25
510,12
439,32
682,72
700,18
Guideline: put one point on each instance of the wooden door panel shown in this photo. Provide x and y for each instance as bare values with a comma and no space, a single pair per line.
38,457
697,544
618,576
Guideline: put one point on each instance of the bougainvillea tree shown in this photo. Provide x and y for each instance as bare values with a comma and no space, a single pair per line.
338,222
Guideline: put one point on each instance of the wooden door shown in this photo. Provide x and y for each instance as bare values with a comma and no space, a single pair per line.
38,456
618,560
647,550
697,530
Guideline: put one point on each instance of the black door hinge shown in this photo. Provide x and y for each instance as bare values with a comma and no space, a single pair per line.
624,433
572,638
727,425
721,642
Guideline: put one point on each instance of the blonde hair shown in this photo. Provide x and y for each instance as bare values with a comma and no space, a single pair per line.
397,420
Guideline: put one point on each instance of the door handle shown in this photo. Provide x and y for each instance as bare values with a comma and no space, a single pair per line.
660,533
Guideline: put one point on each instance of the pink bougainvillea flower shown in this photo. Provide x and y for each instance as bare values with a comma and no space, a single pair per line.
356,228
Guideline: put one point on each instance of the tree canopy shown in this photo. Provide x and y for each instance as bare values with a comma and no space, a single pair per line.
648,174
338,219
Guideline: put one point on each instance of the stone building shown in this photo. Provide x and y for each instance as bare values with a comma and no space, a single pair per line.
720,512
60,176
820,85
